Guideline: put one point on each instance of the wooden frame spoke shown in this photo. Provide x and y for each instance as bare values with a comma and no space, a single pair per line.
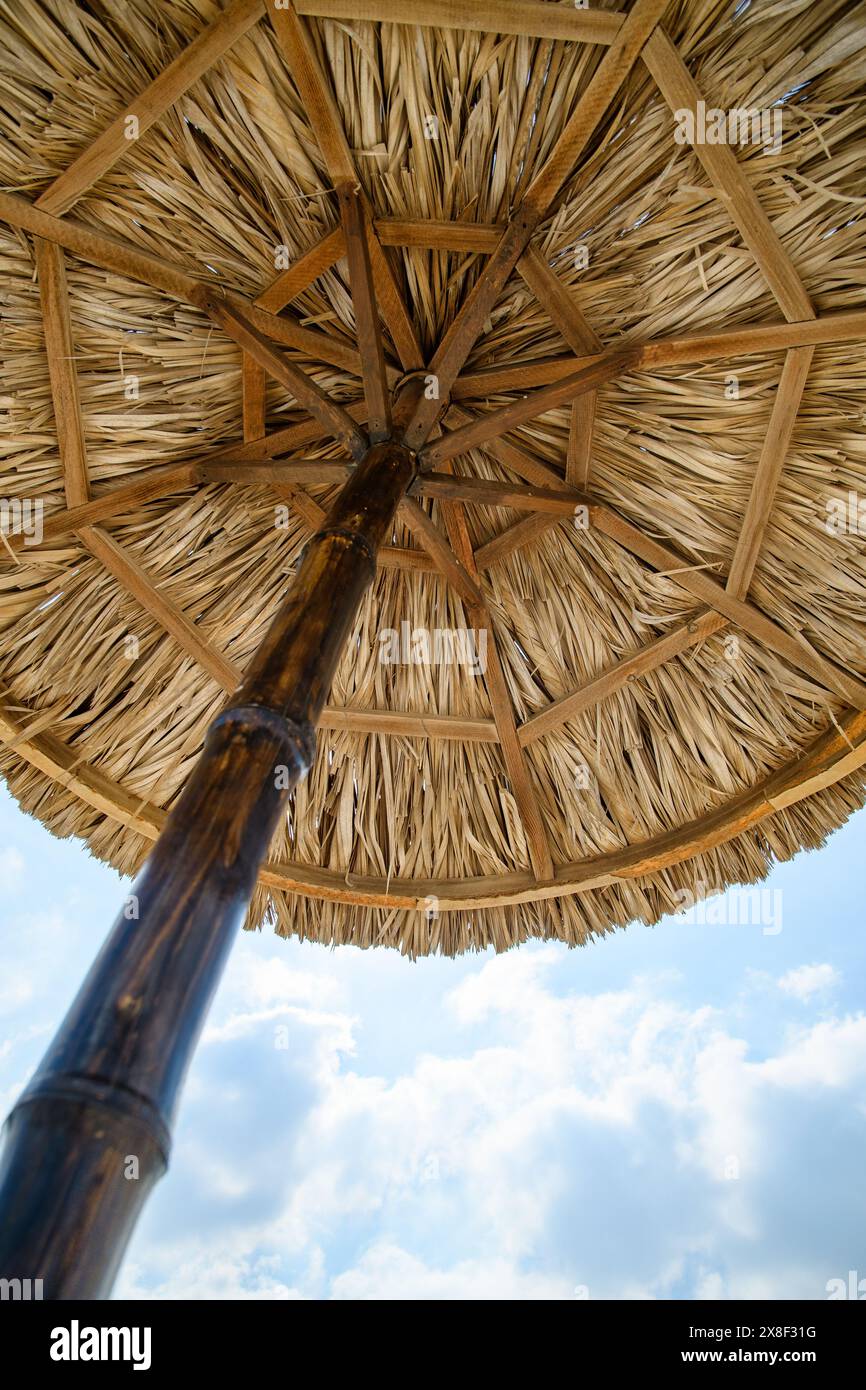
189,65
776,445
484,16
516,765
589,110
239,325
661,557
681,92
366,316
507,417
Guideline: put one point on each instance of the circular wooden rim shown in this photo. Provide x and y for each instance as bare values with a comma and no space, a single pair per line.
829,758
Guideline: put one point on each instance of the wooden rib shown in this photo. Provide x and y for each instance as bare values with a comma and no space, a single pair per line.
109,252
428,533
240,326
579,454
523,375
591,106
831,757
301,273
121,257
396,557
558,304
398,724
502,17
465,328
366,315
581,338
525,795
285,329
578,459
254,390
681,92
608,77
663,558
57,327
848,326
794,649
514,537
283,441
134,578
507,417
292,472
438,236
648,658
769,470
527,466
324,118
320,108
307,509
539,475
189,65
516,765
393,307
288,284
117,500
485,492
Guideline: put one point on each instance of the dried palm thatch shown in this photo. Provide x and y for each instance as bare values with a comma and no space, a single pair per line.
669,615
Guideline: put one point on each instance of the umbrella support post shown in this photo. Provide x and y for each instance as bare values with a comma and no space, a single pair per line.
90,1135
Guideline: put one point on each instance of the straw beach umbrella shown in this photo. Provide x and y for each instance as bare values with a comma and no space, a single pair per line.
478,385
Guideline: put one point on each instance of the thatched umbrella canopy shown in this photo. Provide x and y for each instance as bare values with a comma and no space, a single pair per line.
666,616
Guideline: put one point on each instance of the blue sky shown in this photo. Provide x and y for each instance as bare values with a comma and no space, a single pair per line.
670,1112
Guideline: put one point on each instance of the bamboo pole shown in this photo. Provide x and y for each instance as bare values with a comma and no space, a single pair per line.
90,1136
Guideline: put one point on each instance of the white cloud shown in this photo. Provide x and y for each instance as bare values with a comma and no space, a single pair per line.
266,981
807,980
832,1054
617,1141
388,1272
11,869
209,1274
